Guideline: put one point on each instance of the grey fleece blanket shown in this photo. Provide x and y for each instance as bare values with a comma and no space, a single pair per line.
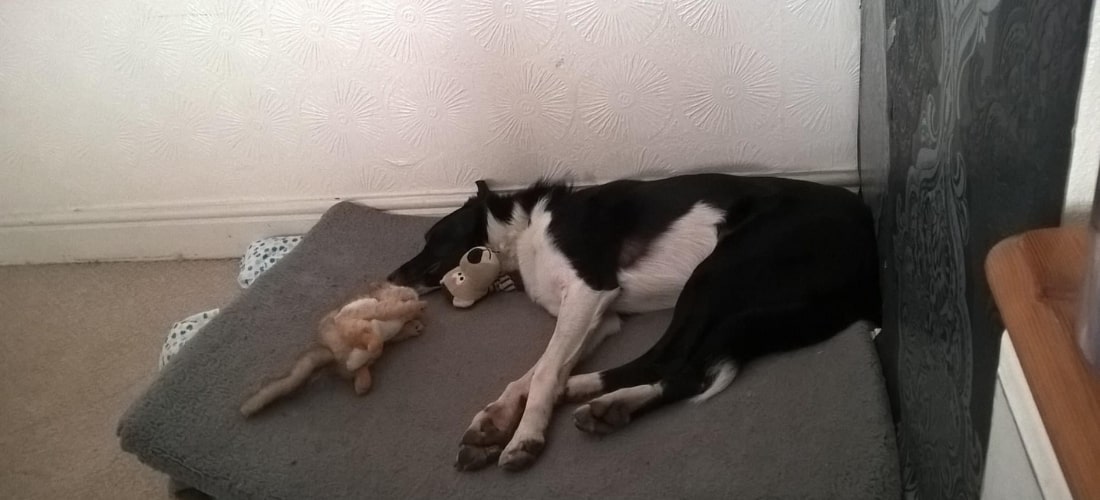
808,424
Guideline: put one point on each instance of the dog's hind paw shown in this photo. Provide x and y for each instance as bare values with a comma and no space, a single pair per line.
600,417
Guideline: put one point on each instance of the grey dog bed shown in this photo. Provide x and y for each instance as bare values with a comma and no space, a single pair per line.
808,424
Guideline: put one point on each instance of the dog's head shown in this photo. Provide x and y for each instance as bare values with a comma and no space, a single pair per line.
445,244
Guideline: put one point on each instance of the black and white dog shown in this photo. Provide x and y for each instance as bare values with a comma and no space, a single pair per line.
752,265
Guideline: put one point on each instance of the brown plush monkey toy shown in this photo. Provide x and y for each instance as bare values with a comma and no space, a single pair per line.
351,338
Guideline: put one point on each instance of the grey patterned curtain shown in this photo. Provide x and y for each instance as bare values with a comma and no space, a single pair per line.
966,114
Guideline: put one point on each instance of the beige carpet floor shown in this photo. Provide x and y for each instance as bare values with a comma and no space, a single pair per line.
77,344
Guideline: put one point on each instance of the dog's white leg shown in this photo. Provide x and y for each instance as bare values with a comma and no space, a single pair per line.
581,310
578,387
582,387
493,426
610,324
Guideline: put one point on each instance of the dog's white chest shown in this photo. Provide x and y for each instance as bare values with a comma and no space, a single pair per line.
545,270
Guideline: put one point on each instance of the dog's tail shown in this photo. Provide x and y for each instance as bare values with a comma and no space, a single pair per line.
308,363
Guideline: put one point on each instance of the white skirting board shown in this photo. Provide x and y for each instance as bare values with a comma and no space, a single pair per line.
1008,471
213,230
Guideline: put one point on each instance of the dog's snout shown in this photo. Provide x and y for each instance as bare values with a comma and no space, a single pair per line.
397,278
474,255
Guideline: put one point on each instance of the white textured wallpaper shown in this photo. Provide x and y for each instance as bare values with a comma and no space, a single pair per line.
118,102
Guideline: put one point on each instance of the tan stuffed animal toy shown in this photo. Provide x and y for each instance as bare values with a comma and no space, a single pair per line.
477,274
351,338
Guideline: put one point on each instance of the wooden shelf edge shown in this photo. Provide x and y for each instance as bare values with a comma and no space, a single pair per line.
1034,278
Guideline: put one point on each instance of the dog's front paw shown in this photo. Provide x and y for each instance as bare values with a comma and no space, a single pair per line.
471,458
416,327
490,426
521,454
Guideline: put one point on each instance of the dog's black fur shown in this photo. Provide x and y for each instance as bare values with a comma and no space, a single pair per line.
795,263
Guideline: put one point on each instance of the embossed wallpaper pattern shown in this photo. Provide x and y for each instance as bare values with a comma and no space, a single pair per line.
116,102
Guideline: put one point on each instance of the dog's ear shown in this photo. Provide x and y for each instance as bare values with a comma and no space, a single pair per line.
482,189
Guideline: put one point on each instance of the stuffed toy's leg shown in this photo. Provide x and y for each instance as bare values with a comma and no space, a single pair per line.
361,364
361,360
363,380
308,363
412,328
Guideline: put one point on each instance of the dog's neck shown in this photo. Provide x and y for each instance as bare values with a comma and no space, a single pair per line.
509,216
504,234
